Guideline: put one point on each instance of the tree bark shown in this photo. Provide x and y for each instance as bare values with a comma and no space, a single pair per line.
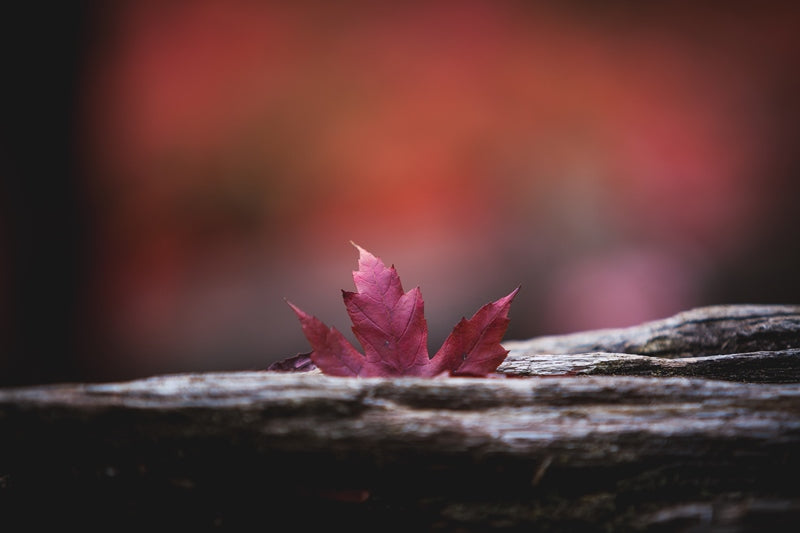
713,330
780,366
557,451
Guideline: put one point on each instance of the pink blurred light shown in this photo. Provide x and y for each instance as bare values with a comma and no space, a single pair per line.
618,289
478,145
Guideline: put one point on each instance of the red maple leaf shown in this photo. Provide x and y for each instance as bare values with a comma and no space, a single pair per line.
390,325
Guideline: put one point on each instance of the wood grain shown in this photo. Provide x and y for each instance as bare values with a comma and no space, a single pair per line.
546,445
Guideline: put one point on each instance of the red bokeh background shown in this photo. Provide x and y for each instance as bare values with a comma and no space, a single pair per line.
621,161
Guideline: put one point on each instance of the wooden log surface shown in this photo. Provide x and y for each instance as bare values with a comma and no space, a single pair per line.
779,366
712,330
557,450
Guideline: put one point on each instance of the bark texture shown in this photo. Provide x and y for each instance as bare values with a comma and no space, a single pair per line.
780,366
544,446
714,330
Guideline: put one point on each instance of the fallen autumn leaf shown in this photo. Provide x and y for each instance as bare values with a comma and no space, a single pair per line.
390,325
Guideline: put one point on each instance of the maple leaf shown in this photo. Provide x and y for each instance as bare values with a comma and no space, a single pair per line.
390,326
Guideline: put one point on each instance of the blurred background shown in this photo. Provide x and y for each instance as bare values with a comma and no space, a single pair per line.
172,171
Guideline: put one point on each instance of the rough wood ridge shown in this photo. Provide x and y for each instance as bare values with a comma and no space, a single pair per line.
714,330
738,343
545,446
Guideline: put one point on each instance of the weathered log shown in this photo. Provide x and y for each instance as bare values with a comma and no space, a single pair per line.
749,343
565,453
713,330
780,366
530,449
